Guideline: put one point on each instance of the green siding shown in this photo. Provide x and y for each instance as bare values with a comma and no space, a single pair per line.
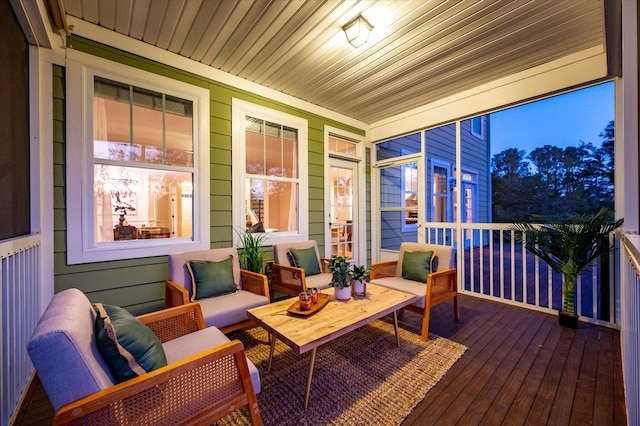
138,284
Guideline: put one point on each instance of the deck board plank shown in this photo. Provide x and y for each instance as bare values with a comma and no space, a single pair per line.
523,402
546,394
545,356
461,374
488,361
477,410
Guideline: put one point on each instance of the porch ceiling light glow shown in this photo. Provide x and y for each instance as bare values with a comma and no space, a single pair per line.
357,31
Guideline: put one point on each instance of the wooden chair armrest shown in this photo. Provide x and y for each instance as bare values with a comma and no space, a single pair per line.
178,393
324,264
383,269
174,322
254,282
175,295
287,279
290,272
446,278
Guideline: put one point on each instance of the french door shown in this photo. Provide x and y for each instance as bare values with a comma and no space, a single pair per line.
342,234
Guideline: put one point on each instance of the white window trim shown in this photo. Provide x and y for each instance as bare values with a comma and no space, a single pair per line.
473,132
81,247
359,204
239,111
474,182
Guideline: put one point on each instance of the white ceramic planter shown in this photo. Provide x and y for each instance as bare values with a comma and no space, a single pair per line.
359,287
342,293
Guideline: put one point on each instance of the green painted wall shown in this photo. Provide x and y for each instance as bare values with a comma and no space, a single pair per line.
138,284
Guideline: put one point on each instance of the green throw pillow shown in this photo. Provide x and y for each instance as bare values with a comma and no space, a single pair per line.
416,265
211,278
306,259
128,346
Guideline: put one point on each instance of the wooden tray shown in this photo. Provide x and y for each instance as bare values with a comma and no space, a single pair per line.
294,309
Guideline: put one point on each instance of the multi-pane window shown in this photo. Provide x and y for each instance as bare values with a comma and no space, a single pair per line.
271,175
340,146
143,155
477,128
269,172
142,162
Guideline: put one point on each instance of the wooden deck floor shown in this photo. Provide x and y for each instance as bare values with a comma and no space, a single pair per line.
520,368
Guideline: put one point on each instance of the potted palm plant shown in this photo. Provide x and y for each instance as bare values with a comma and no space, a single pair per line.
568,246
359,276
341,276
250,252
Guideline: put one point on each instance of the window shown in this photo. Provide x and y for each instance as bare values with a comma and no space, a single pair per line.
144,162
440,193
477,128
269,173
398,147
410,196
469,196
340,146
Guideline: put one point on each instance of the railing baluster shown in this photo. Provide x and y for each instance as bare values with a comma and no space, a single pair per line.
501,264
20,303
525,287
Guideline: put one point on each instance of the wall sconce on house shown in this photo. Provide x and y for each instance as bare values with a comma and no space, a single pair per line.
357,31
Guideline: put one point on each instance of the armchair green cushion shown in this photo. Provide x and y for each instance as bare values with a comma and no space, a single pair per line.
416,265
129,347
306,259
211,278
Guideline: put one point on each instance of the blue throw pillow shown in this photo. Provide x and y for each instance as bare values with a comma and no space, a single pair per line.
211,278
306,259
416,265
129,347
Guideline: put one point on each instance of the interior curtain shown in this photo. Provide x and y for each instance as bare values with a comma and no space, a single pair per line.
103,209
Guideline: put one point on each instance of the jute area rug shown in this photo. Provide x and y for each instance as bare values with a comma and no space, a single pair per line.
361,378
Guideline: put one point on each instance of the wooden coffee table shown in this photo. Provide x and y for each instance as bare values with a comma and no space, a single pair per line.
303,334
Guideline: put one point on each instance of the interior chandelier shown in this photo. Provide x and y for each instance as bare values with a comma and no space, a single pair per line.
357,31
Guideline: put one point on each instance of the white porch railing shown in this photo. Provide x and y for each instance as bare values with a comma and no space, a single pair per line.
20,302
630,326
491,265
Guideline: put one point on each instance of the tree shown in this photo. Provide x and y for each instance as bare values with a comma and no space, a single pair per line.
554,181
510,164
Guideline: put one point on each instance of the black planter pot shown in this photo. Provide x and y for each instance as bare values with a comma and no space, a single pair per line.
567,320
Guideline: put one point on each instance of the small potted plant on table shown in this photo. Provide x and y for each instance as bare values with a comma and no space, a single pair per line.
341,277
359,276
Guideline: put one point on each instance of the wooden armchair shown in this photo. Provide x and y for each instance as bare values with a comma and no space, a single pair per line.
206,376
441,284
228,312
289,279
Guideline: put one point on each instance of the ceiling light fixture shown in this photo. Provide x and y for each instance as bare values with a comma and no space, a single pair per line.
357,31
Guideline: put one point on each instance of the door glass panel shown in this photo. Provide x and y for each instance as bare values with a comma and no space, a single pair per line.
342,214
398,205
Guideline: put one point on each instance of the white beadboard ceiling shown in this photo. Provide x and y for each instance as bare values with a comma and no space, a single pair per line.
418,51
